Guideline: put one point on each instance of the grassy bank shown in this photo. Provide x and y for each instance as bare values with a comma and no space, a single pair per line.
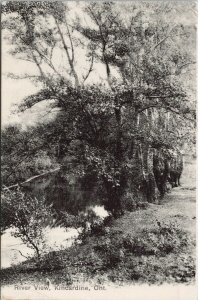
154,245
162,253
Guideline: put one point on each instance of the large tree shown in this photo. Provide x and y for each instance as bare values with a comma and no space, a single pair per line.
109,131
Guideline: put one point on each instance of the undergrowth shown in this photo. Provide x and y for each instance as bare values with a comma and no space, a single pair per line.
156,255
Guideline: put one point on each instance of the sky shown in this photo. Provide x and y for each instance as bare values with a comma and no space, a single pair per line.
14,90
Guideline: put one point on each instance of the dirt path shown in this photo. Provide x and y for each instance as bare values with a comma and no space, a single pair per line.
181,202
177,206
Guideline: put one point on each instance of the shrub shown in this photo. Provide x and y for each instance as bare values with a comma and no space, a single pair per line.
98,227
129,203
183,270
164,238
27,216
50,261
91,226
110,249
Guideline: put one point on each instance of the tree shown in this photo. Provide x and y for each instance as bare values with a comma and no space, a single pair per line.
110,132
27,217
145,49
26,153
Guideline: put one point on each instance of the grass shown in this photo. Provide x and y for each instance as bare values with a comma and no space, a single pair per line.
153,246
155,256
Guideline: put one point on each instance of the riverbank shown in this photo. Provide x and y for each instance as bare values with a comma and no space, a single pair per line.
153,246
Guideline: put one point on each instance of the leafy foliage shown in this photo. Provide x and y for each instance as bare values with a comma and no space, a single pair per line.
28,216
111,130
162,240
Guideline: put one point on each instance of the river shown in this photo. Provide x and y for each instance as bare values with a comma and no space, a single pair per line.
14,251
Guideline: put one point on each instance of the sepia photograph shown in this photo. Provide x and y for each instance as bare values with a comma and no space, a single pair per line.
98,150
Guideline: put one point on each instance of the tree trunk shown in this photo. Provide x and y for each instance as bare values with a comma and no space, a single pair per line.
152,190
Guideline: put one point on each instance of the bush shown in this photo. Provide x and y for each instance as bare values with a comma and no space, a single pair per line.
98,227
110,248
51,261
129,203
186,270
92,225
162,239
27,216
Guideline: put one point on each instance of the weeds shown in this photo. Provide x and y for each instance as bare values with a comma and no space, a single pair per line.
154,255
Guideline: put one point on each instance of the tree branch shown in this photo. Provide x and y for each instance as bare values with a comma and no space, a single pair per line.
70,39
164,39
68,55
104,43
90,69
31,179
48,62
20,253
168,108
